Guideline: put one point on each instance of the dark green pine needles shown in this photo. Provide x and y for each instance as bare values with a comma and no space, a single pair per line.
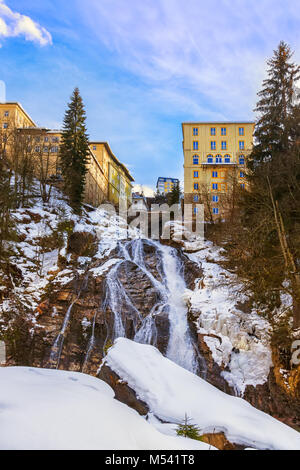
74,151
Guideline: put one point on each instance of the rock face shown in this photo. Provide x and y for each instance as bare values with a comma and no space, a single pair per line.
280,395
123,392
76,323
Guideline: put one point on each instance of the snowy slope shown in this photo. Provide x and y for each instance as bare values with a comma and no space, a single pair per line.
47,409
171,392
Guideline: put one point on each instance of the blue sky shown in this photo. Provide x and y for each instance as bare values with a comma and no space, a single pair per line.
142,67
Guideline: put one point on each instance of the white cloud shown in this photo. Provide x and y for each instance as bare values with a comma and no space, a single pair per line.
197,51
13,24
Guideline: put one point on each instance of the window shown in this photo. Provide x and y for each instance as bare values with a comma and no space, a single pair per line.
37,139
195,131
196,174
46,149
215,210
213,145
6,113
54,149
212,131
46,139
242,174
219,159
5,125
242,145
196,198
223,130
215,198
196,186
227,158
196,210
94,147
38,149
55,139
215,186
224,145
210,159
195,145
241,131
215,174
243,185
242,160
195,160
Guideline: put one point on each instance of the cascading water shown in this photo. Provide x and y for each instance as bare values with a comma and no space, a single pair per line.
170,290
57,347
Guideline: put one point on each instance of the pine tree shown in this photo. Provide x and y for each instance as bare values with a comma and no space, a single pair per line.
74,151
275,105
188,430
174,195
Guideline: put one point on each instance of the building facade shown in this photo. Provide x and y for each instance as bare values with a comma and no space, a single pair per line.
215,155
107,178
165,185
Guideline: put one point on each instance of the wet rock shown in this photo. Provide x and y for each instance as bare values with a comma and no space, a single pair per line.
220,441
123,392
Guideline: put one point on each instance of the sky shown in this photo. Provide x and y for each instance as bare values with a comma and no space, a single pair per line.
143,67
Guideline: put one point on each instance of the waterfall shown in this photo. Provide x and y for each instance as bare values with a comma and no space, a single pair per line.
91,343
170,290
57,347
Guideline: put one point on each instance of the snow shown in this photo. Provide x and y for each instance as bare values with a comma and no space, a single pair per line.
171,392
100,270
55,410
240,341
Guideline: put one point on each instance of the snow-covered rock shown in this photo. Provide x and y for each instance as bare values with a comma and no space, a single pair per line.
171,392
239,341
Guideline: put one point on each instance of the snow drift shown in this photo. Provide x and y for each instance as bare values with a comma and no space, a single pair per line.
55,410
171,392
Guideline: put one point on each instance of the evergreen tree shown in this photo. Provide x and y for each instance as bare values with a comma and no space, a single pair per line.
74,151
188,430
270,212
174,195
275,105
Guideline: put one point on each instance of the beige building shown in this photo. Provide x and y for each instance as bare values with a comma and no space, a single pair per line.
107,179
215,154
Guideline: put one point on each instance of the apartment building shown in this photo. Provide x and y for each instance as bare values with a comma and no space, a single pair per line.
107,179
215,155
165,185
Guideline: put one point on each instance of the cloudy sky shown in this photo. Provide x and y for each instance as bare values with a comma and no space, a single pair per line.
142,67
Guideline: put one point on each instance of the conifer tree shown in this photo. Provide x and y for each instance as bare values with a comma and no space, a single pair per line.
275,105
174,195
188,430
74,151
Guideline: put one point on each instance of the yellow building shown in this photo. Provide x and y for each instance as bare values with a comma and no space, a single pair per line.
107,178
116,178
215,154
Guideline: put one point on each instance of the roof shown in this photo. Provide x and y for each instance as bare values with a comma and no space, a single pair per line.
218,122
116,160
21,107
162,178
